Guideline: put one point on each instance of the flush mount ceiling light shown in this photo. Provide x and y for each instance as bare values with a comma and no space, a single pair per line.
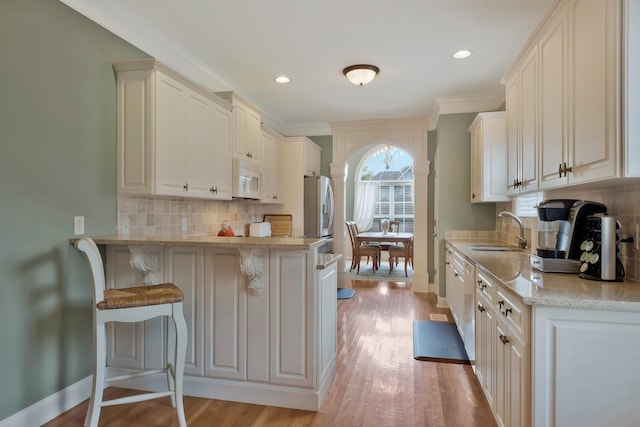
282,79
461,54
361,74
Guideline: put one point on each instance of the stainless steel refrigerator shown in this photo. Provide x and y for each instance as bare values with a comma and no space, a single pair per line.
318,206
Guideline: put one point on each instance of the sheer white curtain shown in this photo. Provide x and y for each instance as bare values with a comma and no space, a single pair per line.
364,204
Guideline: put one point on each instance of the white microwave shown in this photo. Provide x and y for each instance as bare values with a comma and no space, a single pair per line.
247,179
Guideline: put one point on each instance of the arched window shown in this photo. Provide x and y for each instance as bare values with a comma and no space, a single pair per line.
386,174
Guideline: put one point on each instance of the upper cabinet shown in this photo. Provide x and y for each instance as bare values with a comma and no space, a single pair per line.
522,119
312,158
579,99
488,157
274,171
173,137
247,136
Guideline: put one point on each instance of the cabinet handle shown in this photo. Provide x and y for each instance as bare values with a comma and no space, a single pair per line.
504,339
500,304
473,195
566,169
481,309
249,155
560,170
275,197
186,187
506,312
455,274
482,285
214,190
447,263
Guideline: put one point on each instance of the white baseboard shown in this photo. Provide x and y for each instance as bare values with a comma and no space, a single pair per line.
51,406
442,302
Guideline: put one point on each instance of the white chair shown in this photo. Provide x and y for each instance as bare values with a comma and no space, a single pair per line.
134,304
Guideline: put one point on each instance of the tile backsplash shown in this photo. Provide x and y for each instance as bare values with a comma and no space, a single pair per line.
622,203
155,215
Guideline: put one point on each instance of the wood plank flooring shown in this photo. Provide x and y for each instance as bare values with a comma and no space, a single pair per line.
378,383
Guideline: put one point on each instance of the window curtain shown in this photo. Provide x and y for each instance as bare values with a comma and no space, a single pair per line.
364,204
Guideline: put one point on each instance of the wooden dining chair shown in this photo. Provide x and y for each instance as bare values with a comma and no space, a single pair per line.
360,250
401,251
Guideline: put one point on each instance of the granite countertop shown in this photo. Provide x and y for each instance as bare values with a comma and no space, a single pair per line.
549,289
288,243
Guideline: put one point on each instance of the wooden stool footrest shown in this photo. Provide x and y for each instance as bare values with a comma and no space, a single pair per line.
137,398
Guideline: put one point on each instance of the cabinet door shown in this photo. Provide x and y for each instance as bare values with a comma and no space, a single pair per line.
221,156
484,346
292,284
519,402
171,160
594,99
553,102
327,322
225,327
476,164
528,123
268,169
278,177
312,158
253,134
183,266
500,370
199,129
513,151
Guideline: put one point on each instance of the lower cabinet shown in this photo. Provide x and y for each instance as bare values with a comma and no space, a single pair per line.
586,367
503,353
276,348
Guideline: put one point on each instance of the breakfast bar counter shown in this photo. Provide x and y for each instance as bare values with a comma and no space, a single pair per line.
260,311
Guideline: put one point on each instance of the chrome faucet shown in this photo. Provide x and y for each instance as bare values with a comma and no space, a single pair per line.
522,242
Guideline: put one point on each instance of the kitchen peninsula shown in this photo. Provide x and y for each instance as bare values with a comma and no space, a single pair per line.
260,312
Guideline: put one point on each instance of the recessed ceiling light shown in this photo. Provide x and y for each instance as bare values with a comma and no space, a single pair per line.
282,79
461,54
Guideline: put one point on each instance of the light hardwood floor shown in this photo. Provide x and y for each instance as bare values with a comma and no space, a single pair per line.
378,383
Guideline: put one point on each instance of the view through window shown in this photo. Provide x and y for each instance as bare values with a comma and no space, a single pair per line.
392,169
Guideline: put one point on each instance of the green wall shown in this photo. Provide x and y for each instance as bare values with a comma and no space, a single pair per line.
58,134
454,183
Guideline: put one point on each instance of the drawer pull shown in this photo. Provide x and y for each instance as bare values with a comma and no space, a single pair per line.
500,304
481,309
504,339
482,285
506,312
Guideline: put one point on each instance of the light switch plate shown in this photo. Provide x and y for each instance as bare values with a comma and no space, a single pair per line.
78,225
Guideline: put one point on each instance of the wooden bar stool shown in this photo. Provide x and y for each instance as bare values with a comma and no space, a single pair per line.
133,304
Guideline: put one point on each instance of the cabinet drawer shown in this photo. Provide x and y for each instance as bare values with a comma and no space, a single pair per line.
486,287
514,311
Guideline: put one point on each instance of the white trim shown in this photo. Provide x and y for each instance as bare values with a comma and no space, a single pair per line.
51,406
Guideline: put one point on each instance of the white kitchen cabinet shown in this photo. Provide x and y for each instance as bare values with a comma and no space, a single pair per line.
554,93
225,318
173,137
247,136
586,98
327,282
292,330
184,267
312,158
586,367
502,327
274,170
297,154
522,132
489,157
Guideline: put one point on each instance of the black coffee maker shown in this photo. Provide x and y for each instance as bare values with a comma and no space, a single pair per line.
561,225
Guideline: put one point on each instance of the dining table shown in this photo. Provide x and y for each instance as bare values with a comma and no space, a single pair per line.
387,237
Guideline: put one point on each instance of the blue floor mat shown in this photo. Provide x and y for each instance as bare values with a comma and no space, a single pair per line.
438,342
345,293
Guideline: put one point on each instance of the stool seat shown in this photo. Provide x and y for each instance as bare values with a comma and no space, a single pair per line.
140,296
133,304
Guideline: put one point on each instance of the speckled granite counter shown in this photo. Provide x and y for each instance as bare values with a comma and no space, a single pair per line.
288,243
549,289
327,260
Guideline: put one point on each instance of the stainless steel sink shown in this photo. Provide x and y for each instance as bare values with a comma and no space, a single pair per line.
495,248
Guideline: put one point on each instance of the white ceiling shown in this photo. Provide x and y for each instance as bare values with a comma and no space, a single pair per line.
241,45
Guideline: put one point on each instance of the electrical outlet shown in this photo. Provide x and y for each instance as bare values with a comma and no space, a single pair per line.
184,224
78,225
124,226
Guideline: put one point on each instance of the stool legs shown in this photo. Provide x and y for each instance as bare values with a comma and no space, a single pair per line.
180,352
99,368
